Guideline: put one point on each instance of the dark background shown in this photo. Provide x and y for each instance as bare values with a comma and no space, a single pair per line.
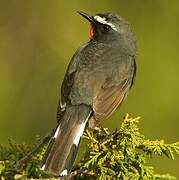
37,40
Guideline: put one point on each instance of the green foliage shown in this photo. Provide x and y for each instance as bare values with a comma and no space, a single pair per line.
14,152
122,155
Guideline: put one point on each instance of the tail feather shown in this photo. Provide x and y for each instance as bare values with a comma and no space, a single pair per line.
62,149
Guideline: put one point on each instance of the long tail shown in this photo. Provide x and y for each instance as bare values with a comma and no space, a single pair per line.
62,149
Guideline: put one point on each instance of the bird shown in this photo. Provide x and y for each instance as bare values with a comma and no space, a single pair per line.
97,80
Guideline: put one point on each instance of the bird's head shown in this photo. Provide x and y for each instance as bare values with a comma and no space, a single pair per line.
108,27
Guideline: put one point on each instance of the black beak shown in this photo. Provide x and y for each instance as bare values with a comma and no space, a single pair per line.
86,16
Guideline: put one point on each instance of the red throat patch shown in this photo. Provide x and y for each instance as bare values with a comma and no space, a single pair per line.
91,32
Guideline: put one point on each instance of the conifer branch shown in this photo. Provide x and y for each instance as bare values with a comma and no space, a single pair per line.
122,154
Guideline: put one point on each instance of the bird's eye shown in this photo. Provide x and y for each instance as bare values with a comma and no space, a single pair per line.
106,28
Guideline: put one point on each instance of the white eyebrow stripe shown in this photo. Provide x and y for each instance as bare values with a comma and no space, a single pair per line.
103,21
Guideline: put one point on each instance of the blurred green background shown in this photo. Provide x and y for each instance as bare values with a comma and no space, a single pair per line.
37,40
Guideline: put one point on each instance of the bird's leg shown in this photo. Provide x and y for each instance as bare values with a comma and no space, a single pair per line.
26,158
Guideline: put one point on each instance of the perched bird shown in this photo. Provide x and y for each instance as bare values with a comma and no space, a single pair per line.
97,80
